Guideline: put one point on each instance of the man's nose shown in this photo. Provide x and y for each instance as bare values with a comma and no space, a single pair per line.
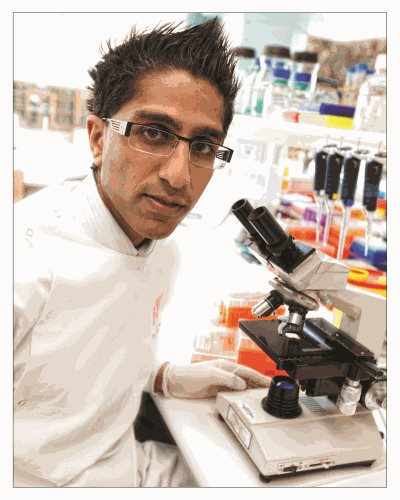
175,169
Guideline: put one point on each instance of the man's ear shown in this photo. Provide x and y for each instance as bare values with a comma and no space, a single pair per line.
95,127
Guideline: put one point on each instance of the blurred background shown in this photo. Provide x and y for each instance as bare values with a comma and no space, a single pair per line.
53,52
308,80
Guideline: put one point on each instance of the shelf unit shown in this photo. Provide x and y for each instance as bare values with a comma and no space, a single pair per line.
250,128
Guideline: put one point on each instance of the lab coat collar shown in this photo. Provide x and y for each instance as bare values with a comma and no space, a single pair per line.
98,223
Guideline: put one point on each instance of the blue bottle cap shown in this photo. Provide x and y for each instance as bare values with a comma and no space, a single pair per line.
303,77
361,67
282,73
370,71
351,69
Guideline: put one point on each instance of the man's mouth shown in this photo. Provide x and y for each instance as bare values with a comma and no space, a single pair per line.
167,202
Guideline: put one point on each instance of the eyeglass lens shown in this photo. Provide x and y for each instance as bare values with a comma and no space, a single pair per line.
162,143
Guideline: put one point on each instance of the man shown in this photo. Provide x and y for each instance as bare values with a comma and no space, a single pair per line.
91,280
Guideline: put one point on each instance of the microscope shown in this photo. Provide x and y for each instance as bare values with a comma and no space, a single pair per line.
320,415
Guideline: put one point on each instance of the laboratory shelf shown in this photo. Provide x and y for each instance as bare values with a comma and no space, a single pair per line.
290,133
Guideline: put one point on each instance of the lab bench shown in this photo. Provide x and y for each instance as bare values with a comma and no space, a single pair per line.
216,458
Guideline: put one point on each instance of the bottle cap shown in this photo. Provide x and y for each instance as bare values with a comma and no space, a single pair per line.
311,57
361,67
351,69
277,51
248,52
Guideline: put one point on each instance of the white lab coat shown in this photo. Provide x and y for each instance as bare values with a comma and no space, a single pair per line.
86,320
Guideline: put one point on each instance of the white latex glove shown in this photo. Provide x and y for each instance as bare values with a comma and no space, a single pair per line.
206,378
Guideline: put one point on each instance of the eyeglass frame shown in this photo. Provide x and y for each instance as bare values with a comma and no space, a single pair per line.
123,128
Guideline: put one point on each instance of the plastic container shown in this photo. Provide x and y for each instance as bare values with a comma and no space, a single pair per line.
301,91
249,354
355,229
244,61
369,279
377,254
245,94
371,103
221,338
261,82
337,110
360,74
349,91
305,63
238,306
245,57
277,95
273,57
278,56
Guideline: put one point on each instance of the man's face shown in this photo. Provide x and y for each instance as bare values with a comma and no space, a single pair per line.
147,194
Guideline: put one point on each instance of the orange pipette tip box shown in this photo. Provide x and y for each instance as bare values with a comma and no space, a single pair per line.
236,313
249,354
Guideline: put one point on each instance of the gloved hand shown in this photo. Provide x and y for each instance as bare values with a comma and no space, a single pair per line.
206,378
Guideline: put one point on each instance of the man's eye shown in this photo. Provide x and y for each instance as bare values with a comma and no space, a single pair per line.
203,148
154,134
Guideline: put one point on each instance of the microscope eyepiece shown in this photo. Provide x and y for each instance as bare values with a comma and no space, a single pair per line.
279,242
241,210
267,227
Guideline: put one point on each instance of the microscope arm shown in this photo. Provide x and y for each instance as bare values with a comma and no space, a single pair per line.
363,316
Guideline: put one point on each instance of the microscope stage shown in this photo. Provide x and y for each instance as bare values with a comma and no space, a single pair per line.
319,438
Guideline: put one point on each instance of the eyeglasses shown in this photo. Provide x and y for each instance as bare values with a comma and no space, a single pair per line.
158,142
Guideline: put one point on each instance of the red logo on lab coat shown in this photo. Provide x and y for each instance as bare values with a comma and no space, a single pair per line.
156,309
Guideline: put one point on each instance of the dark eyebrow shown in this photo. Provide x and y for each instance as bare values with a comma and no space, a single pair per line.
167,120
157,117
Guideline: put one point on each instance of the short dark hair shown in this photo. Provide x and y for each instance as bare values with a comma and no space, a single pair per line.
202,50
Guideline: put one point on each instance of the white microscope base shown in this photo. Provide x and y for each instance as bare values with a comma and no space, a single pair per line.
319,438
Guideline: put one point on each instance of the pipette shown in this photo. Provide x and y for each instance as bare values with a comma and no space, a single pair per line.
373,175
334,164
351,167
319,182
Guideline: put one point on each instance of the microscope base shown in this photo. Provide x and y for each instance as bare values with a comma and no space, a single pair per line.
319,438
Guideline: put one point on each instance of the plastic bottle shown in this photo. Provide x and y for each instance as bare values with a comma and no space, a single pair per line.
273,57
370,112
360,75
262,81
244,64
349,91
244,61
305,62
279,56
277,95
301,90
244,97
